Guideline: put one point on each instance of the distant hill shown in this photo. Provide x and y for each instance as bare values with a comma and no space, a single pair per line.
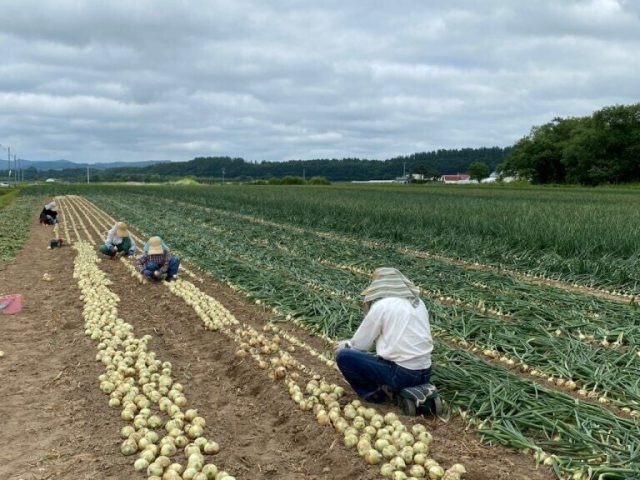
44,165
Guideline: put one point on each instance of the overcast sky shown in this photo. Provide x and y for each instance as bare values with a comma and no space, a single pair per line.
293,79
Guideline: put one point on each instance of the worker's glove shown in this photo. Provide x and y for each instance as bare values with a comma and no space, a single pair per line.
342,344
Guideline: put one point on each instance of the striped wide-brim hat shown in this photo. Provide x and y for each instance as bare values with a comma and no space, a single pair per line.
389,282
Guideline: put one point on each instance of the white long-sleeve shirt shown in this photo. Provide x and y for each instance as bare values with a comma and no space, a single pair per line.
401,333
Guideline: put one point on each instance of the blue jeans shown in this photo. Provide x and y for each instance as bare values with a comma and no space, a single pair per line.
172,271
367,374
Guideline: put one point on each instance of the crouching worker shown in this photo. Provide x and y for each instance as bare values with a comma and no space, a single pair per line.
156,262
49,214
119,241
397,322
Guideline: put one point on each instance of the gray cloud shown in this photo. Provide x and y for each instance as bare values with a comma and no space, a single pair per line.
121,80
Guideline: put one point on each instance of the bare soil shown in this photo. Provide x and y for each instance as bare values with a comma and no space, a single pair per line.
58,425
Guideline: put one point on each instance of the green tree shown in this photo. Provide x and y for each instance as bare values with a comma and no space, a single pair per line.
478,171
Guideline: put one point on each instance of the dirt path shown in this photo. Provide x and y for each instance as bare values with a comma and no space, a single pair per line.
205,359
57,424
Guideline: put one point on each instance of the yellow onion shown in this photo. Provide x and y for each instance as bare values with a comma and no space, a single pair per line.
417,471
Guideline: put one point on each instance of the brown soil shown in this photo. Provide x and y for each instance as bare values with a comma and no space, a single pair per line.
59,425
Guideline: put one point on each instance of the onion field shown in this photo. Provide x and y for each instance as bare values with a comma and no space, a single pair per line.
532,300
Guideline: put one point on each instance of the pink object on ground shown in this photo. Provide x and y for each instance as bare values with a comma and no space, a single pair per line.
11,304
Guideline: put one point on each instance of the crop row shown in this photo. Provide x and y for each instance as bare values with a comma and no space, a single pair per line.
273,350
581,237
585,237
591,319
609,375
484,383
142,386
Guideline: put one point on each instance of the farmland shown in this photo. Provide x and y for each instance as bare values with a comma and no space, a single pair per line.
532,295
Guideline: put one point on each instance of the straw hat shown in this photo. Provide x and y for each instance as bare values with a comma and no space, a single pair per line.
155,246
122,230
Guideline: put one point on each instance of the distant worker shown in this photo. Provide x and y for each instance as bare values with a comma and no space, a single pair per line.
119,241
156,262
49,214
397,321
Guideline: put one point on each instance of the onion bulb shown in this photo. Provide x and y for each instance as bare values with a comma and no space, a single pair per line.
398,463
155,470
129,447
417,471
171,475
140,465
419,458
189,473
350,441
386,470
211,448
389,451
436,472
373,457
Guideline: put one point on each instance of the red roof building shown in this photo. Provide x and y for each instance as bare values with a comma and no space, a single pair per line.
456,178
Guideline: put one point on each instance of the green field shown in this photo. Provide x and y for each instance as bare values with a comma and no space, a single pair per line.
588,236
16,214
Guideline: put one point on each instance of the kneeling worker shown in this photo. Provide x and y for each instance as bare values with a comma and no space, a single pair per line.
156,262
49,214
118,241
397,321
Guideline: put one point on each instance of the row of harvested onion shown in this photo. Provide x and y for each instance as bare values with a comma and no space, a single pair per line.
142,386
402,451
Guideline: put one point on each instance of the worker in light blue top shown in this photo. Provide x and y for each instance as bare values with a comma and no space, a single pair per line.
119,241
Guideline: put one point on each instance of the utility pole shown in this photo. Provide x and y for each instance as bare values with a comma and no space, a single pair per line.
9,163
223,175
87,174
15,164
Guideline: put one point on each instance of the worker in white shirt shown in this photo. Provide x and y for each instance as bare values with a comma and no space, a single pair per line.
397,322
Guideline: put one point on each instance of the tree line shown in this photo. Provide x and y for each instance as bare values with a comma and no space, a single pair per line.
601,148
429,164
